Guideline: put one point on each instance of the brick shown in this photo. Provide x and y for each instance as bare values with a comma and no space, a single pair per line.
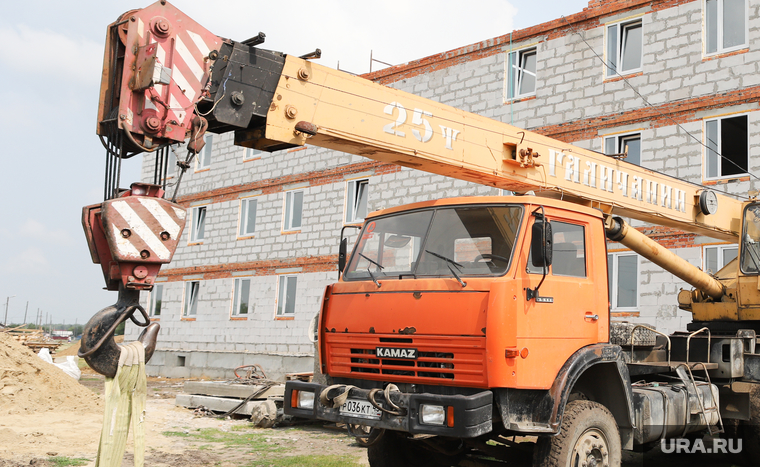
573,103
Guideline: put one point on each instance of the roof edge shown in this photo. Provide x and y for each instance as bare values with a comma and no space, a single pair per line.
587,18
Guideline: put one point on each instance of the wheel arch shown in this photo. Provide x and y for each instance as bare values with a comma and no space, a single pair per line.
596,373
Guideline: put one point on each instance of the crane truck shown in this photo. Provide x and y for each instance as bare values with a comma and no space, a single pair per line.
455,323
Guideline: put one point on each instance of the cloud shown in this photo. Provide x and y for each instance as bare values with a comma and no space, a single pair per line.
32,260
53,55
34,230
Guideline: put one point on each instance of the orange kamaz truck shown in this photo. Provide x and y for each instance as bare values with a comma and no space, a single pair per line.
458,324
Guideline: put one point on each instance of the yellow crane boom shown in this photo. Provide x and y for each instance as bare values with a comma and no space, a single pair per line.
160,65
353,115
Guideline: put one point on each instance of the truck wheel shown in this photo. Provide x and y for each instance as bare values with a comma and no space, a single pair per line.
588,437
393,450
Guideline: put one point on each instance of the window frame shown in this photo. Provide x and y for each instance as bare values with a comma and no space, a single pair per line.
516,70
237,284
156,292
251,154
621,27
619,139
203,162
719,49
194,216
282,296
288,211
243,217
721,250
350,208
719,144
613,282
190,296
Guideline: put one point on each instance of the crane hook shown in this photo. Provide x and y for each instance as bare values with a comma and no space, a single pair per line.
98,347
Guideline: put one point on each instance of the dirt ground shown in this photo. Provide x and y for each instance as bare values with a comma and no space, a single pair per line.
176,437
66,430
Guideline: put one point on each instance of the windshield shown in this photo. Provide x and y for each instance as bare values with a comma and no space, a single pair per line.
750,254
450,241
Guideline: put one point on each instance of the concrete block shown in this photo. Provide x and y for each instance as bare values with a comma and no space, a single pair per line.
224,360
217,404
227,389
176,372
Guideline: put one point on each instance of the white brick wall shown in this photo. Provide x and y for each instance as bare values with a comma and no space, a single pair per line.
570,86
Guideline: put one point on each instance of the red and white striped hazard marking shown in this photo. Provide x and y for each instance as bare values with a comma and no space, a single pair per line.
144,219
184,50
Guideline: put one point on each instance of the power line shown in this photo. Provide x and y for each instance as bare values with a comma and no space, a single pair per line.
649,104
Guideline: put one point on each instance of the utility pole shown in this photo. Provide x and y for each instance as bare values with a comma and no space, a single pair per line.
5,321
27,309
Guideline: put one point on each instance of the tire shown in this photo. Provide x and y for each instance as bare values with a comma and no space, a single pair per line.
393,450
588,434
365,436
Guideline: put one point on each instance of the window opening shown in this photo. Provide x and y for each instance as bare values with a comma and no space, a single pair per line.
293,210
251,153
619,144
357,192
204,161
247,216
727,137
624,47
286,302
522,75
191,298
241,297
715,257
156,299
725,25
198,227
623,280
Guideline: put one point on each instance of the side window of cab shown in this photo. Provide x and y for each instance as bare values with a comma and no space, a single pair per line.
568,251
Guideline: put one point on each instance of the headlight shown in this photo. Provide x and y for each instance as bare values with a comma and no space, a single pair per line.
305,400
432,415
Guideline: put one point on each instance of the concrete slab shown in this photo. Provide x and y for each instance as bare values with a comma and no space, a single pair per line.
217,404
224,389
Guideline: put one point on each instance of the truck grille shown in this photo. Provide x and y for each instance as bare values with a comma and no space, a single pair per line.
440,360
429,365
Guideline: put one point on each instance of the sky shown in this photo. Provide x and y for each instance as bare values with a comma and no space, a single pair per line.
53,162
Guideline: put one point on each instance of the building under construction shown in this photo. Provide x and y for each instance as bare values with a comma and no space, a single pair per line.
671,84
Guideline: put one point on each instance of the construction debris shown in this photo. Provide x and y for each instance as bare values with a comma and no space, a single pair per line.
251,394
263,400
35,339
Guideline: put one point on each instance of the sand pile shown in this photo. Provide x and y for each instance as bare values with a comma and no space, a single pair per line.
29,385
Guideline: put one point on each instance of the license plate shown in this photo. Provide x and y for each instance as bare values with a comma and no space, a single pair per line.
359,409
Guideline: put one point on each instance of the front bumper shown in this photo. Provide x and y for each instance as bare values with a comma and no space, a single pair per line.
472,414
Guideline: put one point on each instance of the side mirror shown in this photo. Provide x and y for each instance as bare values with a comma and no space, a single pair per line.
313,331
342,255
343,248
541,243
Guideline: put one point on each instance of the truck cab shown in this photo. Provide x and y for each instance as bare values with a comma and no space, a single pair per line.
444,302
